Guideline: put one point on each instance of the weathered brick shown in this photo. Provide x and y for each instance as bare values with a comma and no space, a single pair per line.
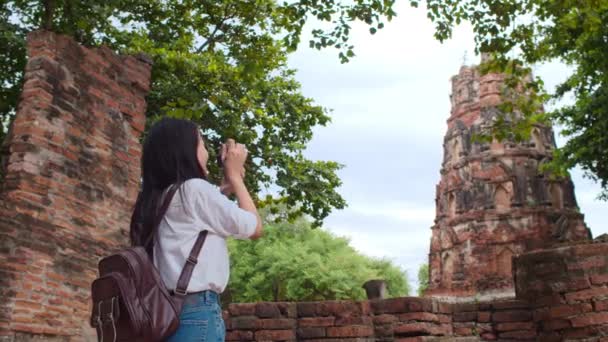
420,328
518,335
310,332
306,309
350,331
353,320
586,294
512,316
275,335
418,316
385,319
267,310
484,317
599,279
591,318
316,321
241,309
65,181
555,324
510,304
600,305
569,310
465,317
243,322
275,324
514,326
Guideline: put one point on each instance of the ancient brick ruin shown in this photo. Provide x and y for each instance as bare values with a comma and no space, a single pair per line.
71,163
492,202
510,256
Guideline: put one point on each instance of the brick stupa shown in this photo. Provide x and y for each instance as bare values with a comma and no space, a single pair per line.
492,201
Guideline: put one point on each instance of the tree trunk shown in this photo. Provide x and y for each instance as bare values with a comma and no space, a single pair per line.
47,18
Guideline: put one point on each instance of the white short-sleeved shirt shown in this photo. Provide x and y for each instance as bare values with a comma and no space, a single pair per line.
197,206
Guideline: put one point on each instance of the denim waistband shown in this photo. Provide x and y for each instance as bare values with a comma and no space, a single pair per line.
207,296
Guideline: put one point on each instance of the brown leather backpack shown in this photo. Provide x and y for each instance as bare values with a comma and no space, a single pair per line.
130,300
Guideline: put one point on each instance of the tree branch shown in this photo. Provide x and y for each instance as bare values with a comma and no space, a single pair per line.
215,31
212,36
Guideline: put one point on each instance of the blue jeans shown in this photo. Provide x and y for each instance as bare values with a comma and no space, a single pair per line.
201,319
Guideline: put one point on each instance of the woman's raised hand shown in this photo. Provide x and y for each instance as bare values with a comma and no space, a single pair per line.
234,156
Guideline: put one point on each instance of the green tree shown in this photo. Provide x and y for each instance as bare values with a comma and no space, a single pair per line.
222,64
520,33
295,263
423,279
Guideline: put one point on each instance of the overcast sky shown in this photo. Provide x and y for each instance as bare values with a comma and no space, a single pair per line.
390,105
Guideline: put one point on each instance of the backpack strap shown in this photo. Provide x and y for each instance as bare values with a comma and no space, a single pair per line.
184,277
160,212
186,274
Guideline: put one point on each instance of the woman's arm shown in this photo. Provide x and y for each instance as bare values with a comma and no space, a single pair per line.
234,156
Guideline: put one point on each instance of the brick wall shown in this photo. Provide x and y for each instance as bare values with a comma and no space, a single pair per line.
398,319
71,161
568,289
562,295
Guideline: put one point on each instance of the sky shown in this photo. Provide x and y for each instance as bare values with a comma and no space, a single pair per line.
389,110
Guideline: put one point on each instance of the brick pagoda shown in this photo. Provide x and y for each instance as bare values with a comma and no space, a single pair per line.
492,201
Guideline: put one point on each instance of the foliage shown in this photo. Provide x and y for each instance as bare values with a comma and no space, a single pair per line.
219,63
520,33
423,279
294,263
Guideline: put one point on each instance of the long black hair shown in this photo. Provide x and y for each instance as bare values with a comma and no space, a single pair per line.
169,159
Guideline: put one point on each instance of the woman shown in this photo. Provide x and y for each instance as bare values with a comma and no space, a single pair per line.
174,154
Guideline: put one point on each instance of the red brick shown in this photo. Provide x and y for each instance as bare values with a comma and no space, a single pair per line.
350,331
512,316
267,310
592,318
241,309
338,308
311,332
484,317
519,335
385,319
463,331
275,335
590,262
555,324
510,304
418,316
489,337
515,326
569,310
353,320
599,279
275,324
316,321
465,307
465,317
586,294
600,305
394,305
243,322
577,333
28,305
420,328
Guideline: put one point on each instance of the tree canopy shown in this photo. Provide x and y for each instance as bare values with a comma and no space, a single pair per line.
295,263
222,64
522,33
